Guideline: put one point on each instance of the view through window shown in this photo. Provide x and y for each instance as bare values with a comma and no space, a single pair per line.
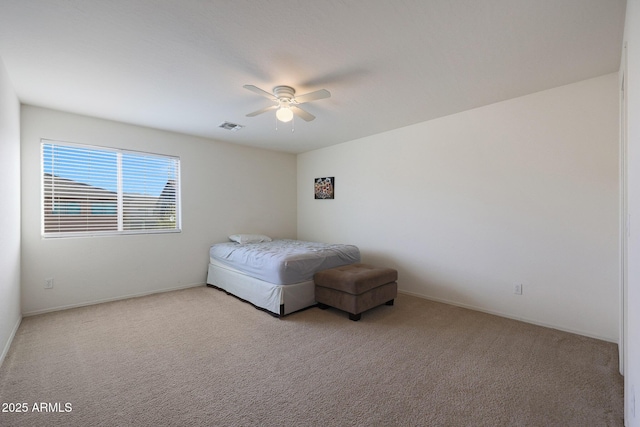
97,190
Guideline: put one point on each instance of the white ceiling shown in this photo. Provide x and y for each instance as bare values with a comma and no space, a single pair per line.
180,65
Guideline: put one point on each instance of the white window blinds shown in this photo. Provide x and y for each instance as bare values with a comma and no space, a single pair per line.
95,190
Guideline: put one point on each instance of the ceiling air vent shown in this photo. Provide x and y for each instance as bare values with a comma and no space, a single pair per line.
230,126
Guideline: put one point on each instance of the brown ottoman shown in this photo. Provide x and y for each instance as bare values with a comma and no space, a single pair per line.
355,288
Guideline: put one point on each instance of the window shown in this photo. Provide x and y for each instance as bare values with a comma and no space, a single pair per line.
95,190
104,208
66,208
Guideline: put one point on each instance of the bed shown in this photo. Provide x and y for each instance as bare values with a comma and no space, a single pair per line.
274,275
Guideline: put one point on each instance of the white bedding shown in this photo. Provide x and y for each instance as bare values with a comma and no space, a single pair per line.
283,261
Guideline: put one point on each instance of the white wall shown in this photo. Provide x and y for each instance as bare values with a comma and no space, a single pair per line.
632,304
466,206
10,213
225,189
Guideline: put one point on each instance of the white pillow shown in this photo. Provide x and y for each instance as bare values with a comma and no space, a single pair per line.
249,238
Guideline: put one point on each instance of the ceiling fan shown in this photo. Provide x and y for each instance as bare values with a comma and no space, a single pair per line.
286,103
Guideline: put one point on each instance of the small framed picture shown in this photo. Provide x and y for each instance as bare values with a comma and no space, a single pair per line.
324,188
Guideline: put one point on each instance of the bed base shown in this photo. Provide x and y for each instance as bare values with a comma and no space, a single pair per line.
277,300
278,315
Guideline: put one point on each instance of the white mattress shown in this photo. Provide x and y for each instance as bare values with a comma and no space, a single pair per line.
284,261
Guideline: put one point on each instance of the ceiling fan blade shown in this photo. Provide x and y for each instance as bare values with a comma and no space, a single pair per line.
302,113
259,91
313,96
262,110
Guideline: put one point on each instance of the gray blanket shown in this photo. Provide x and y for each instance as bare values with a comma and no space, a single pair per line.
284,261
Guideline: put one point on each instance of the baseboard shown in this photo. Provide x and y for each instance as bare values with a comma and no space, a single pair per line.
509,316
430,298
5,350
100,301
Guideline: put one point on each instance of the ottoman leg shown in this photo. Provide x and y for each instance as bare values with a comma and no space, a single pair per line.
354,317
390,302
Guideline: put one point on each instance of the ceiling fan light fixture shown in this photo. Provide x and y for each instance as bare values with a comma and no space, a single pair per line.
284,114
286,103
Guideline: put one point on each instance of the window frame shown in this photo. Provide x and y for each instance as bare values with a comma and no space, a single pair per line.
121,231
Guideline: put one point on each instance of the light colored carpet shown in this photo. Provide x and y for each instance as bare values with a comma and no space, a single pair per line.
200,357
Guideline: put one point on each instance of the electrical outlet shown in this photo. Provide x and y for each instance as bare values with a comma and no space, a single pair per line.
517,289
48,283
